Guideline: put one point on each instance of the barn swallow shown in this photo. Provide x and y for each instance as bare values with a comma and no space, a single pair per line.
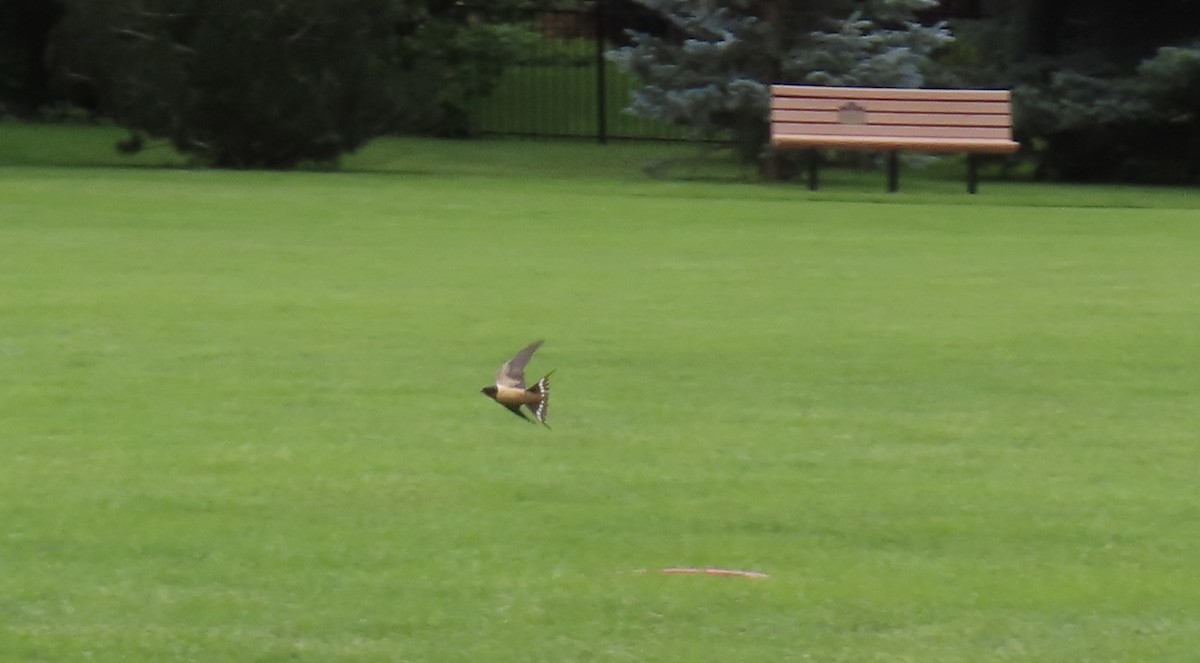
510,390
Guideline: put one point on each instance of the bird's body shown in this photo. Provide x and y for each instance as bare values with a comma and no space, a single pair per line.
511,392
511,396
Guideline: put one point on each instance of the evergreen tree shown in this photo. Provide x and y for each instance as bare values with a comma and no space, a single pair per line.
1102,90
712,72
276,83
261,84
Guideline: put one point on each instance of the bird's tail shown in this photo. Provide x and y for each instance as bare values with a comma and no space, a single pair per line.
542,407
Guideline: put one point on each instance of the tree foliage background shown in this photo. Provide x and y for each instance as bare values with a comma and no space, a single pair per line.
240,84
25,27
276,83
1103,89
713,74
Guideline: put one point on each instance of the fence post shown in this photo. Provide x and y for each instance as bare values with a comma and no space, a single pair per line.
601,80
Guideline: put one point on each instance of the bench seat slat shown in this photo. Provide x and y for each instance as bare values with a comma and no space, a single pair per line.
923,144
883,131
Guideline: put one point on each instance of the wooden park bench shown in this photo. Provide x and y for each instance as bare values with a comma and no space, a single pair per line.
890,120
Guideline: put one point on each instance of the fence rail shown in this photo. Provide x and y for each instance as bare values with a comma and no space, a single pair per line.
564,85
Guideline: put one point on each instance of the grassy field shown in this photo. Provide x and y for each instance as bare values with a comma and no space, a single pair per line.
240,419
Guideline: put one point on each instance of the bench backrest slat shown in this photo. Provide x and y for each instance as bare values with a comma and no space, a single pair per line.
901,93
899,119
982,107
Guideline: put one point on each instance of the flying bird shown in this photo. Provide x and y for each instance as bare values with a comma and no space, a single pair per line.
510,390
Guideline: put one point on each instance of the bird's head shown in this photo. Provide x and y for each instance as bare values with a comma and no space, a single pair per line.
490,390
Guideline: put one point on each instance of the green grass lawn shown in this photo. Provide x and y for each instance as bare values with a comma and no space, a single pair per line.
240,419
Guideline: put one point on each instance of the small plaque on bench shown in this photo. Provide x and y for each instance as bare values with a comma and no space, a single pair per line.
852,113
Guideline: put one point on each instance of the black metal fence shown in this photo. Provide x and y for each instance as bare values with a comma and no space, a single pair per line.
565,86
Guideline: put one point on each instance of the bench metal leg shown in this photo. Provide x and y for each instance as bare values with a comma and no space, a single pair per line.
893,171
814,164
972,173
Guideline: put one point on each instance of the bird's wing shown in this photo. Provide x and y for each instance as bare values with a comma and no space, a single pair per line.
516,409
512,373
